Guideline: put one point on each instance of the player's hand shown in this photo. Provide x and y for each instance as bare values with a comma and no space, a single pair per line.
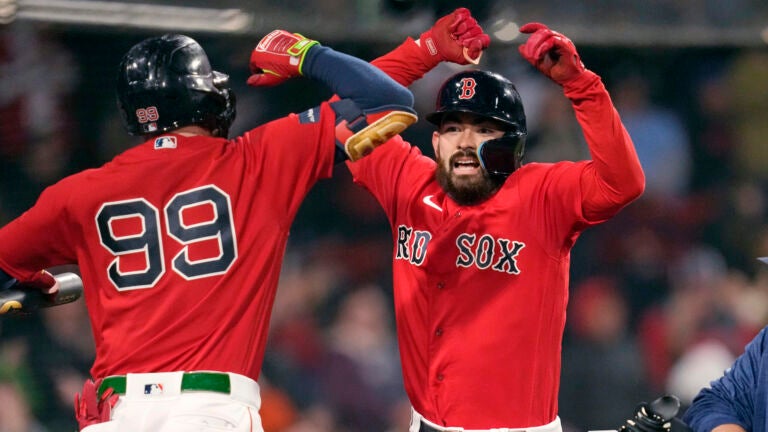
551,53
42,281
456,37
278,57
91,409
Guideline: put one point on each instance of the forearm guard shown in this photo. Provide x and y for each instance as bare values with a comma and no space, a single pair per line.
358,132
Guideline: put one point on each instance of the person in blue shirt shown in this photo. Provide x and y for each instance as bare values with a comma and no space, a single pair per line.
737,401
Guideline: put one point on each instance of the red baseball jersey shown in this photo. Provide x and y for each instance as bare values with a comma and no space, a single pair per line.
180,242
481,291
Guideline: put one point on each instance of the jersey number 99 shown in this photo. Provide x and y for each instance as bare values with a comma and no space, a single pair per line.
148,240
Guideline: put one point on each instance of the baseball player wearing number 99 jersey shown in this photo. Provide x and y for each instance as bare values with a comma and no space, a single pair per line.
179,240
482,241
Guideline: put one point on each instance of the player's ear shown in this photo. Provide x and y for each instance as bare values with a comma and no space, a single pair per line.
435,146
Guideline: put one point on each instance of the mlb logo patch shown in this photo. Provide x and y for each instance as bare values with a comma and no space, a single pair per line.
165,142
153,389
309,116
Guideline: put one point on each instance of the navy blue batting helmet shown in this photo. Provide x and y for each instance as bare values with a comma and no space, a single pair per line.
167,82
490,95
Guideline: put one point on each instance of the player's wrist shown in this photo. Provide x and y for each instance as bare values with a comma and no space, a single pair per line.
302,50
425,57
429,53
581,84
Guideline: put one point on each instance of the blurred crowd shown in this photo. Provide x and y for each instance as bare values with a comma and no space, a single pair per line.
663,297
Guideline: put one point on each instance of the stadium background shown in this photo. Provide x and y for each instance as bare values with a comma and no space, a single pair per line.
662,297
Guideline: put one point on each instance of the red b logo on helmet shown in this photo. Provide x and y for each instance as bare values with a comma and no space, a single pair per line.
467,88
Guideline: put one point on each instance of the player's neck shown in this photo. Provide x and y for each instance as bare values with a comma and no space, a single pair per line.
192,130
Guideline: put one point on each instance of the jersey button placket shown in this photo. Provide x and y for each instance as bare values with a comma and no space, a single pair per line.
437,340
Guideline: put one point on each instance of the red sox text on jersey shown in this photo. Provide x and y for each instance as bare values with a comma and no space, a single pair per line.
484,252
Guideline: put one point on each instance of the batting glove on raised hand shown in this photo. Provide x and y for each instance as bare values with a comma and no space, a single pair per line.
278,57
551,53
456,37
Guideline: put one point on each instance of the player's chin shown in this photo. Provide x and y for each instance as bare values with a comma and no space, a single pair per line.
468,180
467,189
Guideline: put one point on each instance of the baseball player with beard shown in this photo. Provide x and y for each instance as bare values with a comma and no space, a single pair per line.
180,239
482,241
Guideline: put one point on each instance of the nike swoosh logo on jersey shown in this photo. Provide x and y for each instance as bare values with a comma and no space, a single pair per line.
428,201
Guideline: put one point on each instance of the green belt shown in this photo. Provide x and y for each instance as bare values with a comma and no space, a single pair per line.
190,381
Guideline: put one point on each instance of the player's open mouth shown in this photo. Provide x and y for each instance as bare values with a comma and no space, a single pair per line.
465,165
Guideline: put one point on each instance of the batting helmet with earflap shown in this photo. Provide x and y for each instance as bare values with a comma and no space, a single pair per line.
167,82
490,95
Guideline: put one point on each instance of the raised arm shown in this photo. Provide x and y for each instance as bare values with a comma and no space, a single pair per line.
456,37
615,177
373,107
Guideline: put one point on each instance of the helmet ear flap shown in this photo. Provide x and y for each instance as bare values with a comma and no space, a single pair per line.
500,157
227,115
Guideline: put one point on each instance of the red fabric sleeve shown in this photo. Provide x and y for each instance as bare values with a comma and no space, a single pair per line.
407,63
38,239
614,178
287,176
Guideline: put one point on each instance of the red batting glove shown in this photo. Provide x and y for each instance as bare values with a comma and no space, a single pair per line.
278,57
44,282
551,53
456,37
89,408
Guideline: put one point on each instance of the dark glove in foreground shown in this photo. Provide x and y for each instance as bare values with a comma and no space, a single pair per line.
654,417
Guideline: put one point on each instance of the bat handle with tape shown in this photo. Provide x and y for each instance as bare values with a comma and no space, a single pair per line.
18,300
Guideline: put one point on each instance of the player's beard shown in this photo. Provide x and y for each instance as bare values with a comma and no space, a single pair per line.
465,190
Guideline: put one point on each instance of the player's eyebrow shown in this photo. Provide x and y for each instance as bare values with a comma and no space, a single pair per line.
475,120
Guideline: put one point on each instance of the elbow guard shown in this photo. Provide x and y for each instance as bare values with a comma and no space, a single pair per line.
358,132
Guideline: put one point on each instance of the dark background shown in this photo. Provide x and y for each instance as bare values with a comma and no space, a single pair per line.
663,297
